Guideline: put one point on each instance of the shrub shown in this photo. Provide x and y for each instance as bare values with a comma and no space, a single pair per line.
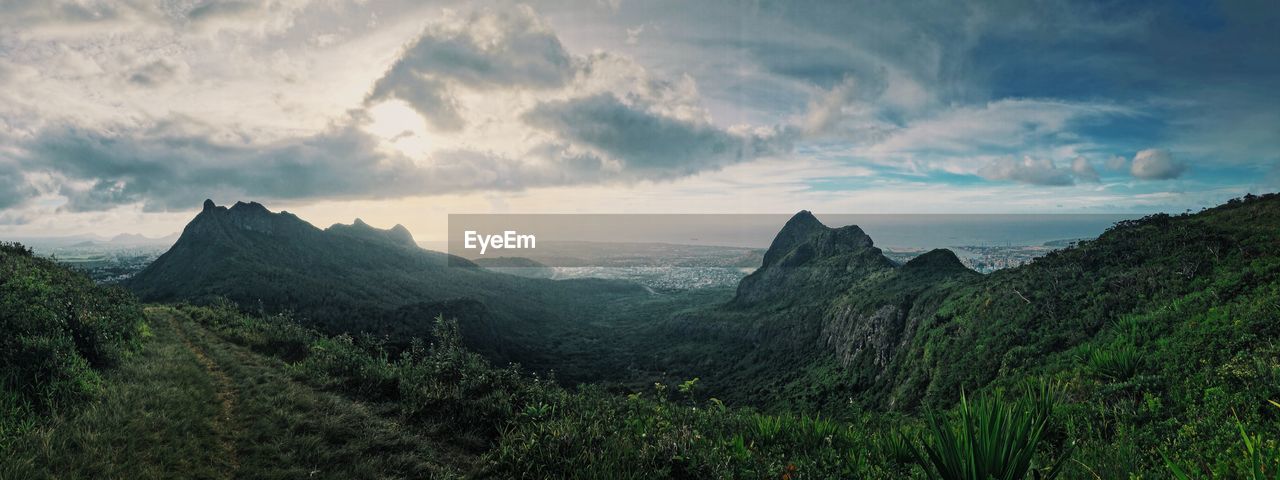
1117,364
1259,459
60,329
989,438
338,363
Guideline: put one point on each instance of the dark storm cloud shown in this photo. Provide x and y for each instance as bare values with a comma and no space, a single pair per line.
13,188
512,48
170,166
165,167
646,142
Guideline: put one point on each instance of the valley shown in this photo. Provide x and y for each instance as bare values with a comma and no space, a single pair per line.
830,360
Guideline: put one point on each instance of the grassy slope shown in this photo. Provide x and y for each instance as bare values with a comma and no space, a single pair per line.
193,406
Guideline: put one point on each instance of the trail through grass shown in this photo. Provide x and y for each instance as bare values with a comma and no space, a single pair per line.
225,392
191,405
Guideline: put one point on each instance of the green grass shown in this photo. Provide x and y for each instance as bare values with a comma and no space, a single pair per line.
154,419
166,414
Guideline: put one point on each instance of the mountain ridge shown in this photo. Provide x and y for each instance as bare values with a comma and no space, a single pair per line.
360,279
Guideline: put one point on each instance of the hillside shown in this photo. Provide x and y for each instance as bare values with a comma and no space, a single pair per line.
61,334
360,279
827,320
1148,351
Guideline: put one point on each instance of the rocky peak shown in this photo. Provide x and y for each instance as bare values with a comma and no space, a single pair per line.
804,236
806,254
251,208
251,216
397,234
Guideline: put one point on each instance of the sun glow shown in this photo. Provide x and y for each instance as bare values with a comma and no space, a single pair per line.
401,129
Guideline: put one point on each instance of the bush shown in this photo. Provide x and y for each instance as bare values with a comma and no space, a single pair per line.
988,438
60,331
1118,364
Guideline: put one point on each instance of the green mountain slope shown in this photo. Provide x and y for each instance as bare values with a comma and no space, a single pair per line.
827,320
1151,350
359,279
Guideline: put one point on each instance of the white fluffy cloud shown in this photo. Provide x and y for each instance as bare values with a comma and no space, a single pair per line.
1084,170
1156,164
1027,170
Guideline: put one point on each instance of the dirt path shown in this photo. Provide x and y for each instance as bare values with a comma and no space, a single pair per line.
281,427
192,404
226,393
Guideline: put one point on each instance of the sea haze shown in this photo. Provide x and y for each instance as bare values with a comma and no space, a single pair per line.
894,231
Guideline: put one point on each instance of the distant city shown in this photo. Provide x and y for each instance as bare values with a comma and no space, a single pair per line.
660,267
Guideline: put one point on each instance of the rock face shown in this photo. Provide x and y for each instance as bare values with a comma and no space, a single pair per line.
869,340
806,255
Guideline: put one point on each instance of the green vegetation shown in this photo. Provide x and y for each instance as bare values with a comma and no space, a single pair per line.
60,332
1156,330
1158,339
991,438
524,426
192,405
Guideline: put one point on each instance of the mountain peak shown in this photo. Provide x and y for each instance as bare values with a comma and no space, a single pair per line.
799,229
803,220
806,254
252,216
397,234
937,260
251,208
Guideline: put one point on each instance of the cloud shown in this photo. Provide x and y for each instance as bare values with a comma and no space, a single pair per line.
844,110
1117,163
169,165
1084,170
651,144
1010,126
14,189
1027,170
481,51
163,166
84,18
1156,164
156,73
633,35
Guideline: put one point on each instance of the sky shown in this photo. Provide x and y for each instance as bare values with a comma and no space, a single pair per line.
124,116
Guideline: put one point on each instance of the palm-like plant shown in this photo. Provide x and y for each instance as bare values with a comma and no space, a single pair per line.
1118,364
989,438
